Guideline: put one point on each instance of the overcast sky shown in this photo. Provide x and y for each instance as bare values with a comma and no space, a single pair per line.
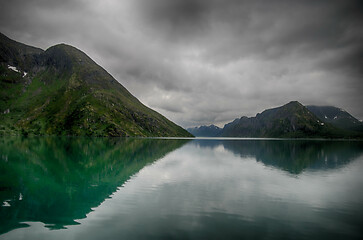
209,61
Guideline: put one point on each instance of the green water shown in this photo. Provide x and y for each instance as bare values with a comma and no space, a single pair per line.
100,188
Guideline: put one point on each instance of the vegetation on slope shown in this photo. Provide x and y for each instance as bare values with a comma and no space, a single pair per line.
61,91
292,120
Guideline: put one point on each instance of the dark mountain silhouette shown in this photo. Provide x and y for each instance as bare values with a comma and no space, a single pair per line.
206,131
292,120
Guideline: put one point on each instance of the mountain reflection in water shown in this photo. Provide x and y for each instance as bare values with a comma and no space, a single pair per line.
59,180
95,188
292,155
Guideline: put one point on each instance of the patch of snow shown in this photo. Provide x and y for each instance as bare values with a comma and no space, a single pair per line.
20,197
25,73
335,117
322,124
6,204
325,116
13,68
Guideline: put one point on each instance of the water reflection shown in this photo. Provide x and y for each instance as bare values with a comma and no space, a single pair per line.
207,189
59,180
293,156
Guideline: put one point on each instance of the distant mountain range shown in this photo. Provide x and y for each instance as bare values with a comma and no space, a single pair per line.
292,120
206,131
61,91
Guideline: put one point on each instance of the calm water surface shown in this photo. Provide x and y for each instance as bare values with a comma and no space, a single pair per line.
97,188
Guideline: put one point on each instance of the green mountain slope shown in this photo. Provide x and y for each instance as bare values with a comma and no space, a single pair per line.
292,120
61,91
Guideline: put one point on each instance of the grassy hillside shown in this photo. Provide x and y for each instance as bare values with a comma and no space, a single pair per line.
61,91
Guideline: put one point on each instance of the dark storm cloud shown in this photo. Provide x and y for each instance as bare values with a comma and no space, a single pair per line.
233,29
176,19
209,61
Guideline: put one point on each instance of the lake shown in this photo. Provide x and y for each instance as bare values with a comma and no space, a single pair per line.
130,188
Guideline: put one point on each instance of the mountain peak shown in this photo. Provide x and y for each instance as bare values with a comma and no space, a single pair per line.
289,120
68,49
205,131
18,54
294,102
65,57
67,93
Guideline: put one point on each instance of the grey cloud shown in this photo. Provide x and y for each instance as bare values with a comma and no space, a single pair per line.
209,61
178,19
254,27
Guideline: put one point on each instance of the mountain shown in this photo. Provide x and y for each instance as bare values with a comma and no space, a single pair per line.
337,117
206,131
62,91
292,120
